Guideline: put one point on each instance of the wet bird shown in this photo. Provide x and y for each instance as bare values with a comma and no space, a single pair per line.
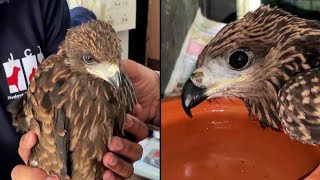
271,60
76,101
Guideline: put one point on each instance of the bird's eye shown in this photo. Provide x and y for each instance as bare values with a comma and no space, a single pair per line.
88,59
239,59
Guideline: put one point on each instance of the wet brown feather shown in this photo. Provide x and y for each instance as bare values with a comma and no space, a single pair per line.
284,46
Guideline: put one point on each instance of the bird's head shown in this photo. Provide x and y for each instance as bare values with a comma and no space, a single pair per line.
250,58
94,48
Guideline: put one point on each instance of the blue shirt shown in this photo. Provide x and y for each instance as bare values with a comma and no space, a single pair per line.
30,30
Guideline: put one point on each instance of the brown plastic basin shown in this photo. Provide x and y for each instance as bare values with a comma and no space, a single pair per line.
222,142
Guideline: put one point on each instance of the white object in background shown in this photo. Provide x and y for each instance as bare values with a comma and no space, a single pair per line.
200,33
148,165
124,38
244,6
121,14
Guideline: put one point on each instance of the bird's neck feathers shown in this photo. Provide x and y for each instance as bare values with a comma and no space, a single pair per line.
261,100
263,107
288,61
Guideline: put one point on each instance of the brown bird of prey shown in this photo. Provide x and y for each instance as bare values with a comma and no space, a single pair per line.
270,59
76,101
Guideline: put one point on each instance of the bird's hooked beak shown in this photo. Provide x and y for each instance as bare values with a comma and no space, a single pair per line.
113,75
193,94
108,72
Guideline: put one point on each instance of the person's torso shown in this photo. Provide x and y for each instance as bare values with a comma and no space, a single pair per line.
22,37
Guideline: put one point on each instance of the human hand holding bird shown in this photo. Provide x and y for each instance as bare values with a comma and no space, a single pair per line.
131,151
146,83
137,74
56,110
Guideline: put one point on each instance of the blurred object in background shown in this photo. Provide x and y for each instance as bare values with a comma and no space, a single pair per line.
219,11
210,18
309,9
144,37
121,14
200,33
138,36
80,15
244,6
149,164
176,18
153,36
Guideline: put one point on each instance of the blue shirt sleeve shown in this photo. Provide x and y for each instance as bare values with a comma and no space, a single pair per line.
56,21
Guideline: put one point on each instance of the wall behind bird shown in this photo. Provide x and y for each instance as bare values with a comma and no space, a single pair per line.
153,35
138,36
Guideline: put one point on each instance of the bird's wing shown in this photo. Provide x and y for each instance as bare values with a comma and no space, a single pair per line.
298,104
51,152
128,100
128,93
41,111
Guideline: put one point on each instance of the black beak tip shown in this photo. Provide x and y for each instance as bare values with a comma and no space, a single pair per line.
185,108
189,113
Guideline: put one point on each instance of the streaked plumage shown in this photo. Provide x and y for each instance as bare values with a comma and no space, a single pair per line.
270,59
76,101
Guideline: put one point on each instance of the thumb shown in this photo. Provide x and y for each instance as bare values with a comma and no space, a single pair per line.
27,141
21,172
137,110
133,69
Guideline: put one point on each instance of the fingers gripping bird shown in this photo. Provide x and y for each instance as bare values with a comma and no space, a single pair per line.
76,101
271,60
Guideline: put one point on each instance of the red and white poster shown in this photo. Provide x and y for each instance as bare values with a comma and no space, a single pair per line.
14,74
29,64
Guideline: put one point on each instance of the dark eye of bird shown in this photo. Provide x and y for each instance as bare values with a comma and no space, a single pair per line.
239,59
88,59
